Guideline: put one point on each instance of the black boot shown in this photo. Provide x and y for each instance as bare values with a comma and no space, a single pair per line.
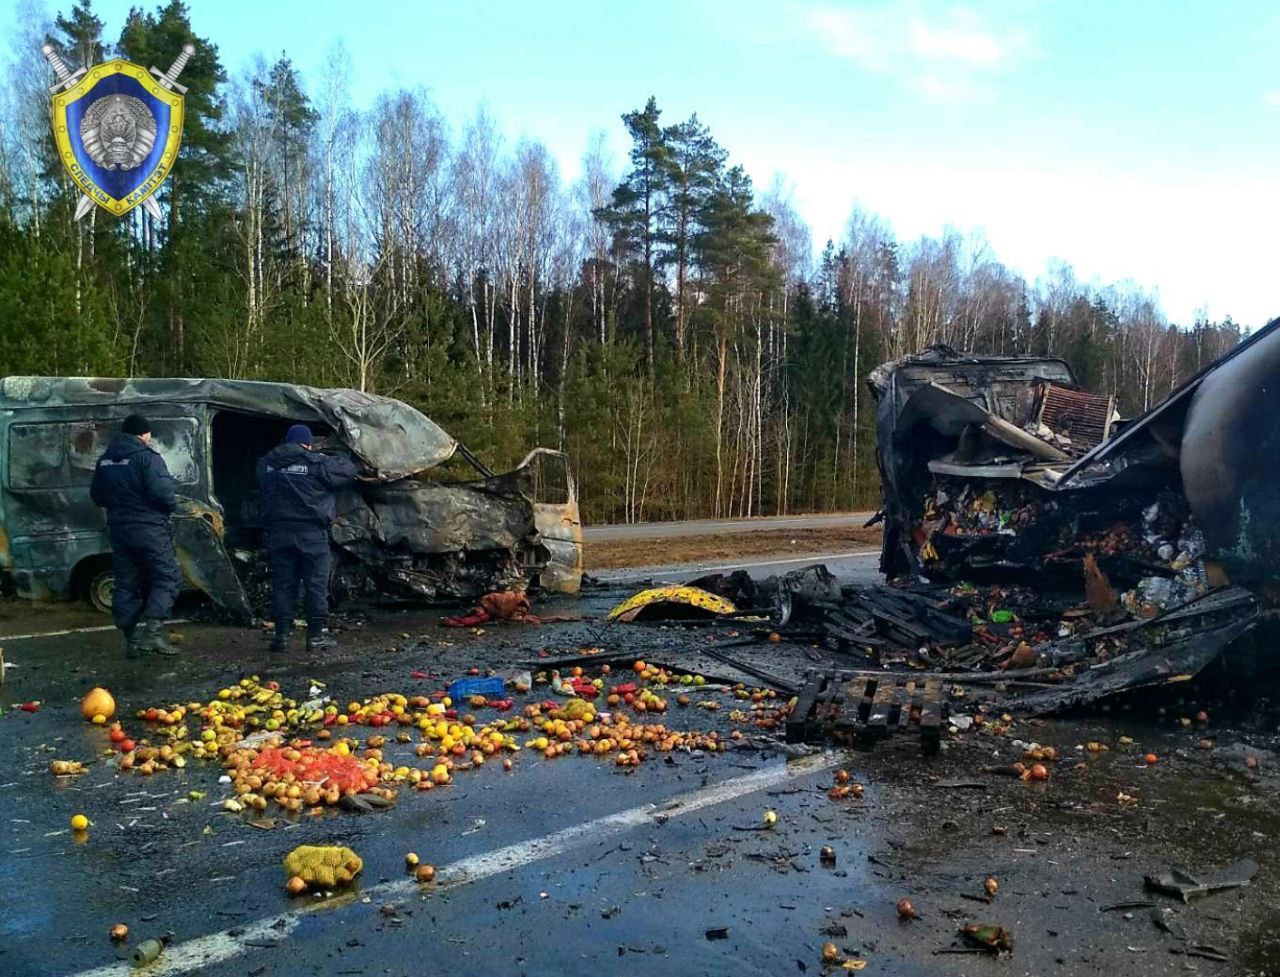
151,638
280,641
319,638
131,649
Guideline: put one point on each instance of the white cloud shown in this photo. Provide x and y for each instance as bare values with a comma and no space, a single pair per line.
963,39
865,36
1272,98
940,54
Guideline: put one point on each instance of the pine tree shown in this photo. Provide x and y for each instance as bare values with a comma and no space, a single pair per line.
635,212
695,168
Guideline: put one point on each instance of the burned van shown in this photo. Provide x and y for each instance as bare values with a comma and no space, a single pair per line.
430,523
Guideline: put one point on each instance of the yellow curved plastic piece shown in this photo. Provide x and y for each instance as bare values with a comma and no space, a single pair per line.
693,596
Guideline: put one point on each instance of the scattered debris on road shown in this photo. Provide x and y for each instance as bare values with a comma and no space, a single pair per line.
1187,886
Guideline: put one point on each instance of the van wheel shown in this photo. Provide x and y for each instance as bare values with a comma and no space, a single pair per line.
102,589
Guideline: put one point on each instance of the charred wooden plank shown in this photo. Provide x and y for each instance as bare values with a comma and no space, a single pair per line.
882,704
931,716
868,695
798,721
909,703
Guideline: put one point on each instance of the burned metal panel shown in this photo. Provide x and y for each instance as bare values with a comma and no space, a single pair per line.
386,434
557,518
1169,649
49,457
908,438
424,540
420,517
197,543
1230,460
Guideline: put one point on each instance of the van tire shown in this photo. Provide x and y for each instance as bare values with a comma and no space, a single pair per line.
101,590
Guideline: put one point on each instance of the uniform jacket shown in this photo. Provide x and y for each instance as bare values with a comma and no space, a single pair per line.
132,482
298,487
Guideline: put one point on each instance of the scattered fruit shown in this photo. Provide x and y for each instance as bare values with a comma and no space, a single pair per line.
906,910
97,702
1150,759
1039,772
425,873
994,939
411,859
79,822
991,886
296,885
770,819
842,776
324,867
830,953
118,932
827,854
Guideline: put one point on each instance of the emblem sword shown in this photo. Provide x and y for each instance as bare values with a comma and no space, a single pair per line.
66,77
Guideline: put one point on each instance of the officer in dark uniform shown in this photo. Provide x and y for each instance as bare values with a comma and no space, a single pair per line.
132,482
298,487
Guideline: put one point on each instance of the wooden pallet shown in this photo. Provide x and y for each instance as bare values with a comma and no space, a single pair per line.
856,709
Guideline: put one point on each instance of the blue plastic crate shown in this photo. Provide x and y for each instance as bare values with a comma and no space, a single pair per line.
463,688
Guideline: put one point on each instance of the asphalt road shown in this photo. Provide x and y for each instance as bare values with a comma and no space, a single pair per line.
715,527
859,568
576,866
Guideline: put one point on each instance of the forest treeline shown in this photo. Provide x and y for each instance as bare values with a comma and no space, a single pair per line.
660,318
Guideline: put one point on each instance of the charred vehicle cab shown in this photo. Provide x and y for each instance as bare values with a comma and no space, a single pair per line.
1000,465
1094,554
407,532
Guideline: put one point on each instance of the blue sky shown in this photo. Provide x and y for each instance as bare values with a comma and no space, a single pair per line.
1134,140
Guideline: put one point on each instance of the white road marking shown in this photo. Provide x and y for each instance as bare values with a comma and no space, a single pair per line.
215,948
59,634
623,574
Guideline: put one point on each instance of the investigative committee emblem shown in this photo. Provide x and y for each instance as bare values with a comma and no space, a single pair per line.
117,128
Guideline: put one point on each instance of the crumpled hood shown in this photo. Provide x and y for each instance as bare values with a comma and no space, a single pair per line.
387,435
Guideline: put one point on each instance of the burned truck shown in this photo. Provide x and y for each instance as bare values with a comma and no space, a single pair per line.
1000,466
413,529
1063,543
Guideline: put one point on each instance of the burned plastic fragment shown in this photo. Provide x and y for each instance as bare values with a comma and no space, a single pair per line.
1186,886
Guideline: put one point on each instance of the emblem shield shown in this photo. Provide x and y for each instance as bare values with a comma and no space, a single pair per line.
117,131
